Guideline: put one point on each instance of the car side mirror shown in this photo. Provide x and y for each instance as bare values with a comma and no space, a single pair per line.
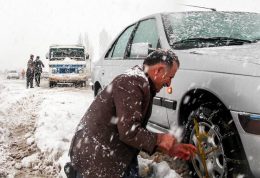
140,50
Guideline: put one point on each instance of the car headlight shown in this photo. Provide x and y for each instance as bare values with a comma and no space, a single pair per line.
250,122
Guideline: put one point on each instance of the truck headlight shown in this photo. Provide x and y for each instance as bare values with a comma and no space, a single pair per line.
80,70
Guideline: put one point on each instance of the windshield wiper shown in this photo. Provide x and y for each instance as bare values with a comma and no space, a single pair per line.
208,42
231,40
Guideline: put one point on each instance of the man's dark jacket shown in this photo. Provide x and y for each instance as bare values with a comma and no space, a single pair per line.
30,73
38,66
112,132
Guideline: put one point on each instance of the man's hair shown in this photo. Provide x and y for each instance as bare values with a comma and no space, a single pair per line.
166,57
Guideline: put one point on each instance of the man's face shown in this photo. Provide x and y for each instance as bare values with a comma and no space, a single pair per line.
163,75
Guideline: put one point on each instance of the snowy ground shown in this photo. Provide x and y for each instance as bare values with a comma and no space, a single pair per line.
36,126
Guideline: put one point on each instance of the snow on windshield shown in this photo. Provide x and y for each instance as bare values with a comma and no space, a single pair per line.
179,26
66,52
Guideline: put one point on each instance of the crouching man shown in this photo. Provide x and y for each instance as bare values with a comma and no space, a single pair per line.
113,130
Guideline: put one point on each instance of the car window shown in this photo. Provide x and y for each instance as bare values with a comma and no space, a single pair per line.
118,50
147,33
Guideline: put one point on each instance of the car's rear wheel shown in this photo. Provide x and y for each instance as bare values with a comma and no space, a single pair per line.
220,153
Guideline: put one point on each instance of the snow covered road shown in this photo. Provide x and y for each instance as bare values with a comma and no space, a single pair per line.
36,126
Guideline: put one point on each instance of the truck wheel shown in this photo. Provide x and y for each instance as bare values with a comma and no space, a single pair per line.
51,84
84,84
220,151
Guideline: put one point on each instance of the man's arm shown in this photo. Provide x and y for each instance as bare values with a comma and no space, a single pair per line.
128,98
42,64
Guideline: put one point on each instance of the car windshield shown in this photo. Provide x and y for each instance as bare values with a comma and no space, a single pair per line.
61,53
205,29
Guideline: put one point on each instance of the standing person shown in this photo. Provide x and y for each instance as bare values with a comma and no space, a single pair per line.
30,61
113,130
29,75
30,72
38,70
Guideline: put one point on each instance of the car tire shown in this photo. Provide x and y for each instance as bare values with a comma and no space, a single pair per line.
218,134
50,84
97,91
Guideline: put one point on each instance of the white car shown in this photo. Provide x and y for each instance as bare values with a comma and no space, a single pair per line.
12,74
216,91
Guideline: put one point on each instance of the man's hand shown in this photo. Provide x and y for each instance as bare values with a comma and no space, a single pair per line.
183,151
165,142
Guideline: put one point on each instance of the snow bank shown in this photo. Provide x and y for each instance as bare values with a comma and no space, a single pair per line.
10,95
59,115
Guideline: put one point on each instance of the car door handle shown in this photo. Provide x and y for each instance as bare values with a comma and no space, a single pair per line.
170,104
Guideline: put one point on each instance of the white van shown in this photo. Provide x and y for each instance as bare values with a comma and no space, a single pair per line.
67,64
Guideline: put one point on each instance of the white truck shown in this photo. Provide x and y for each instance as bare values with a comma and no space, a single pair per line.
67,64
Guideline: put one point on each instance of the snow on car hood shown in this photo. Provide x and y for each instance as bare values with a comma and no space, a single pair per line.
242,59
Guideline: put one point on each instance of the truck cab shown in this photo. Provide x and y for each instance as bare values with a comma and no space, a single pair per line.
67,64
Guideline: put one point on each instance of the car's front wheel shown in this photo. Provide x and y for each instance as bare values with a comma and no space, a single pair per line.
219,150
97,91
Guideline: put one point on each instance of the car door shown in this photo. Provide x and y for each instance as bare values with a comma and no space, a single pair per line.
146,32
114,62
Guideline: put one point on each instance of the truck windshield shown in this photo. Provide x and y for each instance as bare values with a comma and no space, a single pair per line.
205,29
61,53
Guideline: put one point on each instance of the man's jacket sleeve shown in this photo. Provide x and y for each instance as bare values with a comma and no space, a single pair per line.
129,101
